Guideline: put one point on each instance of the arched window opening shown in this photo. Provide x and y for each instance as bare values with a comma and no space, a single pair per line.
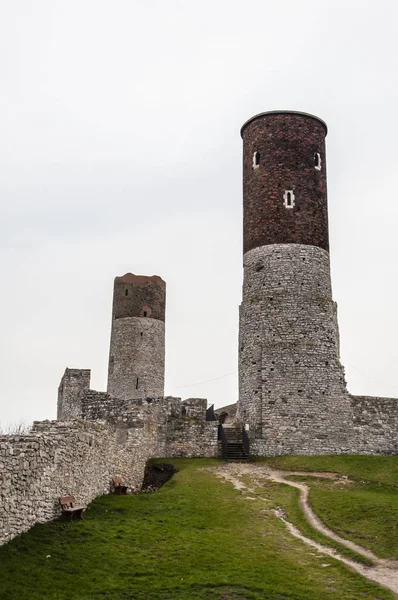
256,160
288,199
317,161
223,418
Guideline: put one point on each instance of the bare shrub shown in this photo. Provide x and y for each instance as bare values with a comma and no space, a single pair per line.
15,428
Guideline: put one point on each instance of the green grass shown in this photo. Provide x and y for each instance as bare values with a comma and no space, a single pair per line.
372,469
287,498
365,510
196,538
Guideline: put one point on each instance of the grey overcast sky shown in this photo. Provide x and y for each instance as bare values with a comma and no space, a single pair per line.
120,151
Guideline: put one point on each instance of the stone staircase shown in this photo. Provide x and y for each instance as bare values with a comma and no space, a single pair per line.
235,449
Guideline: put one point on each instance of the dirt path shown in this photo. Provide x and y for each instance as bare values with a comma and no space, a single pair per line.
383,572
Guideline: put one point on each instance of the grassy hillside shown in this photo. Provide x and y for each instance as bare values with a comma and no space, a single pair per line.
363,509
196,538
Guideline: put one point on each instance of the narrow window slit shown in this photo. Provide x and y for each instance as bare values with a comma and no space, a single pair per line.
288,199
317,161
256,160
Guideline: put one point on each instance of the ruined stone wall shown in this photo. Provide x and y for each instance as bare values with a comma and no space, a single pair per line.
137,358
194,408
73,384
375,424
178,429
190,438
103,406
107,437
76,458
292,389
227,414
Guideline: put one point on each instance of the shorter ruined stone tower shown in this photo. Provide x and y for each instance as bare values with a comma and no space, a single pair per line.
292,392
137,349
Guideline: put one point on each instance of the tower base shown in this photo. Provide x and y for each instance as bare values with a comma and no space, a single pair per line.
292,391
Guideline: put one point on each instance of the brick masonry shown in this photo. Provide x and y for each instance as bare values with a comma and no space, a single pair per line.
137,349
135,294
292,390
286,143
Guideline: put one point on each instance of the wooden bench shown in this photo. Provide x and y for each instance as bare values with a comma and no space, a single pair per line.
69,508
118,486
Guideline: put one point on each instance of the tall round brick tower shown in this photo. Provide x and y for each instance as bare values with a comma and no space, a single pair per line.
137,349
292,391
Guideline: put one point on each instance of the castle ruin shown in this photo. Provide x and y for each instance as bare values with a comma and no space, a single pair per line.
293,397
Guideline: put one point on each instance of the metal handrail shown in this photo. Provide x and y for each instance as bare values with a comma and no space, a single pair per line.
210,416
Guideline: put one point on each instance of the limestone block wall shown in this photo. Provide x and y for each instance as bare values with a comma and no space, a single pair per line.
292,390
137,358
57,459
119,412
101,406
192,439
375,424
194,408
73,383
178,428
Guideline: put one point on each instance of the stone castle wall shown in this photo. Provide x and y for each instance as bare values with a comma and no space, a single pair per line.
179,427
372,430
292,388
375,425
110,437
76,458
99,437
73,383
137,358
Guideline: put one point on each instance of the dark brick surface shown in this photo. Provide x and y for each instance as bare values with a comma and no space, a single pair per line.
144,295
287,143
